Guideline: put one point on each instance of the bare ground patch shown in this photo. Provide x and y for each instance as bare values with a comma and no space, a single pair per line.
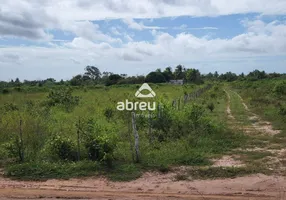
227,161
228,110
151,185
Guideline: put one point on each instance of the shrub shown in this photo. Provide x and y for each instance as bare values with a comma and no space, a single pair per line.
63,97
9,149
14,149
108,113
101,149
162,124
195,113
18,89
282,110
48,170
5,91
213,95
155,77
10,107
211,106
280,88
62,148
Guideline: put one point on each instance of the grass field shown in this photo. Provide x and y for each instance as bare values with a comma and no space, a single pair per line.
62,135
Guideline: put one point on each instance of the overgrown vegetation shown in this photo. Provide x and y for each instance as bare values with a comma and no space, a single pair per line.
267,98
72,128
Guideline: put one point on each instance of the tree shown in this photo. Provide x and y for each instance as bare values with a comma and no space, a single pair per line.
17,81
61,82
193,75
241,76
123,75
113,79
52,80
216,74
209,76
179,72
92,72
168,74
76,80
228,76
155,77
256,75
274,75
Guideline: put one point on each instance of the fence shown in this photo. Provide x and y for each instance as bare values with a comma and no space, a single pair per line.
176,104
132,128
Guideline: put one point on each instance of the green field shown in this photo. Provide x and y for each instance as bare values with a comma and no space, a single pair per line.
64,132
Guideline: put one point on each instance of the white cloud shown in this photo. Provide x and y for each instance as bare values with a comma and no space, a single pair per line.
75,61
32,19
17,19
139,26
120,9
130,56
10,58
261,39
84,44
88,30
185,27
115,31
128,37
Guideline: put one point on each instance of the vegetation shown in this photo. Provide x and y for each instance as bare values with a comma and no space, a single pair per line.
64,129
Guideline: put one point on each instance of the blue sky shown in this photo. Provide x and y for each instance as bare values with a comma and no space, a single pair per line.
59,38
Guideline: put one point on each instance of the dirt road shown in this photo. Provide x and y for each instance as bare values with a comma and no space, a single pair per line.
149,186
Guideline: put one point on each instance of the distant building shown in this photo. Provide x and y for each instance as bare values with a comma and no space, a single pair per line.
177,82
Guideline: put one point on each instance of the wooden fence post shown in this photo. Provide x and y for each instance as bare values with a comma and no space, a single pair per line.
21,146
136,137
130,137
78,140
174,103
150,128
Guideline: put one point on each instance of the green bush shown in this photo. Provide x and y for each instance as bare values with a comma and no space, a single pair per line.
47,170
108,113
5,152
211,106
193,159
5,91
10,107
63,97
62,148
162,124
280,88
18,89
282,110
13,148
100,149
194,114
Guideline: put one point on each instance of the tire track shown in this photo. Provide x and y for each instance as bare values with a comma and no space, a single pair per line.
228,110
257,123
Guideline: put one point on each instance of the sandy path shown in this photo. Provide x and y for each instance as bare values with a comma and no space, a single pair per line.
258,124
149,186
228,110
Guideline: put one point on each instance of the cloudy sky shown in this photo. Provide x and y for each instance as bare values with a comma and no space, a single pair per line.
58,38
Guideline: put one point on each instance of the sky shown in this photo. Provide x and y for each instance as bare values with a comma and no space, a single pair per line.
40,39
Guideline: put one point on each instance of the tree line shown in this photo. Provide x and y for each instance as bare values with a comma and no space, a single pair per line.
93,76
